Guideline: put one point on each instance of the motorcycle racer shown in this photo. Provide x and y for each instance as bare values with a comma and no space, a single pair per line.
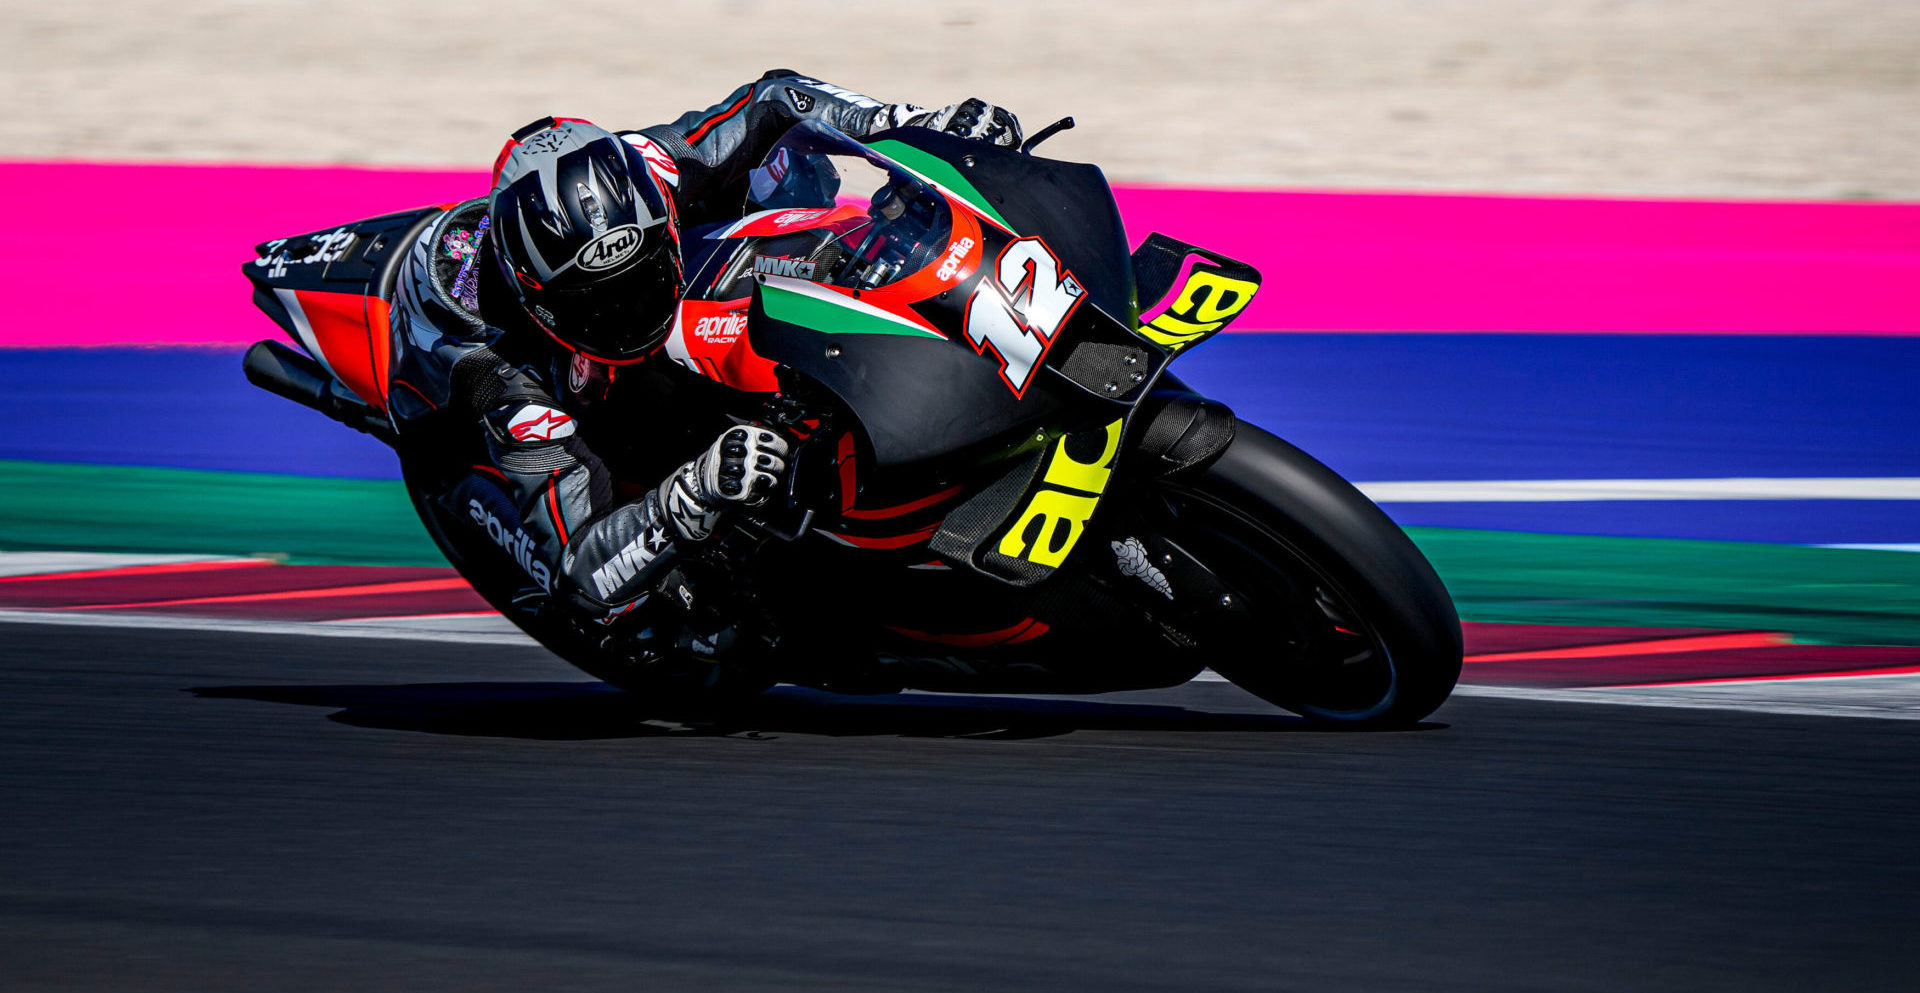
571,273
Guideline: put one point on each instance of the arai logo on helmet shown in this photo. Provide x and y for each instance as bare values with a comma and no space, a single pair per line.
610,249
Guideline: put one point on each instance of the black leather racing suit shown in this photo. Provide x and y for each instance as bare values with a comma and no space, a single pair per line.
542,495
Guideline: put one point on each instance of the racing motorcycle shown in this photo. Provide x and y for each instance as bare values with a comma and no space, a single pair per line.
998,486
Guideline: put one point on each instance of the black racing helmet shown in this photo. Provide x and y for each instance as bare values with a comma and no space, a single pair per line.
585,235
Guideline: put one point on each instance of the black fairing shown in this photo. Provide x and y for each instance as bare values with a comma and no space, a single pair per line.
887,382
1067,204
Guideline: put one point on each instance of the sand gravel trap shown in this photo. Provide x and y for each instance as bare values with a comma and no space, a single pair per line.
1762,98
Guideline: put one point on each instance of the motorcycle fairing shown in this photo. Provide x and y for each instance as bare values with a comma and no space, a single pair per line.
1194,292
331,291
917,396
1066,204
1023,527
709,337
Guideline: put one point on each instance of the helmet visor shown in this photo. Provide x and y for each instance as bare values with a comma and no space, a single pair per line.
617,318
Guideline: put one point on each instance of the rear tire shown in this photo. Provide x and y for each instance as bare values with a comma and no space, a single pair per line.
1340,618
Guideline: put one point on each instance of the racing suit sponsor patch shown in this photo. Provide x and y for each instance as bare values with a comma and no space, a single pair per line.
517,543
628,561
539,422
657,158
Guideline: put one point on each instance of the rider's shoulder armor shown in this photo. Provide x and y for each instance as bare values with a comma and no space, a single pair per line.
435,313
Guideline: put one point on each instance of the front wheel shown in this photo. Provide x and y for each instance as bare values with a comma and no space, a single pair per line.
1329,610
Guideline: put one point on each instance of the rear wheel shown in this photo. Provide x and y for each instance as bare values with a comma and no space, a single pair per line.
1330,610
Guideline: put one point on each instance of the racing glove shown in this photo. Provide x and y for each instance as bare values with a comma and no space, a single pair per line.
744,466
972,118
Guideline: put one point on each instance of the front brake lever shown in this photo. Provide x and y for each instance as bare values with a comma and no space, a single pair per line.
762,523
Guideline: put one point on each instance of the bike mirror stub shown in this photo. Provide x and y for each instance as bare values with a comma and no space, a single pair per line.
1063,124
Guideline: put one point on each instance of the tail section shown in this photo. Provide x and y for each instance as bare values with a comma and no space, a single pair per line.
330,291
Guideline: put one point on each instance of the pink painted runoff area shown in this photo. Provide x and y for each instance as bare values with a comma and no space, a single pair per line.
151,254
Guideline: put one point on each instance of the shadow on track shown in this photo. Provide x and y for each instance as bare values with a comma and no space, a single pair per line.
586,711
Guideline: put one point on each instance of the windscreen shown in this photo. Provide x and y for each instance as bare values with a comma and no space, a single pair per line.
897,225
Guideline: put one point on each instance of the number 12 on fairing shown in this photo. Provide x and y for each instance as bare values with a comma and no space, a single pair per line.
1018,308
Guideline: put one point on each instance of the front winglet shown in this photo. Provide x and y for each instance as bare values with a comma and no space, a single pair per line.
1194,292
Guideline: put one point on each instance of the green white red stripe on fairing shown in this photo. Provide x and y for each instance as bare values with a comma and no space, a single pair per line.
942,176
809,304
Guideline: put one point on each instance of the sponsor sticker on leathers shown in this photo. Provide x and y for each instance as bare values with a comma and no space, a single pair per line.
537,422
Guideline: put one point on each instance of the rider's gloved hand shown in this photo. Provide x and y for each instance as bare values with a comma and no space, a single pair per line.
745,465
974,118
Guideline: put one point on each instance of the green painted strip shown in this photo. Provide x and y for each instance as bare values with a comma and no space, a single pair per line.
1841,596
119,508
940,172
793,307
1838,595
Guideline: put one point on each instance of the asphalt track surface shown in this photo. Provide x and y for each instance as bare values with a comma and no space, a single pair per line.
218,811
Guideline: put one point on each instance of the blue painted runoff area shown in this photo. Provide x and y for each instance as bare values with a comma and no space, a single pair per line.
1375,407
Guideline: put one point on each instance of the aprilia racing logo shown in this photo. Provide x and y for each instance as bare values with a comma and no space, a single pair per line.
771,266
517,543
956,254
792,217
724,329
610,249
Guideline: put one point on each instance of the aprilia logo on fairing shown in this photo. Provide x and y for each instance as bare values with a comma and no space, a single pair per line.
1202,305
792,217
956,254
722,330
772,266
610,249
517,543
628,561
1057,513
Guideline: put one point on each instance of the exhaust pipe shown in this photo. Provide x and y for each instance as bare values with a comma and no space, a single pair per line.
284,372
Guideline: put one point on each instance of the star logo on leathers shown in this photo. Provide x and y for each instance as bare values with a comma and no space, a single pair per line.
540,424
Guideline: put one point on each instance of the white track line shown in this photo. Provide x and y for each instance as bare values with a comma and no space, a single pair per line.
42,563
1890,697
398,630
1569,490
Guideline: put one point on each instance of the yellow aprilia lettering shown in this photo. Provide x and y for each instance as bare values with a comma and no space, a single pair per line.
1057,516
1204,305
1088,477
1062,517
